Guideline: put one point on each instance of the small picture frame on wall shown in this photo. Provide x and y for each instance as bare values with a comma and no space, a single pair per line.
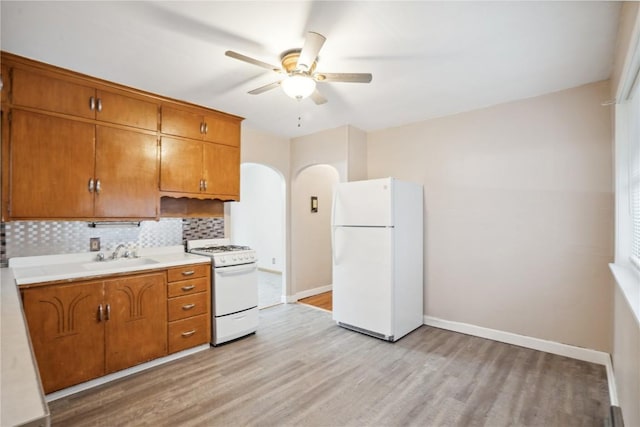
314,204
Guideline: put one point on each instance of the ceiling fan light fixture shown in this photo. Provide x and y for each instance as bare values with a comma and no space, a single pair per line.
298,86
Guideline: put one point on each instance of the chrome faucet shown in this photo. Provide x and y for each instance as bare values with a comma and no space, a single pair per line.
115,253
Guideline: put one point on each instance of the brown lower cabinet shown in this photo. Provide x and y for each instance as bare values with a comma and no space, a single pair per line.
189,306
81,331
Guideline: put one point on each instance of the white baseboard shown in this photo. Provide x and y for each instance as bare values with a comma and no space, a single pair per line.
579,353
309,293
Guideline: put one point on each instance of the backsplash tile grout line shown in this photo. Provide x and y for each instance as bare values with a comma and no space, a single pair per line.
31,238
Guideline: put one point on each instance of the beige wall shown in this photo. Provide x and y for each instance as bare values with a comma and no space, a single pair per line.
519,213
357,155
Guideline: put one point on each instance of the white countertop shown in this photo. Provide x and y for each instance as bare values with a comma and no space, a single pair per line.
49,268
21,396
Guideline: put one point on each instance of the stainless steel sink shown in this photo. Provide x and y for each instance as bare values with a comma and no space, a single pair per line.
118,263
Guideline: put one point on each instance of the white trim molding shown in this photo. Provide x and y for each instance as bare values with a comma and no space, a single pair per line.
308,293
579,353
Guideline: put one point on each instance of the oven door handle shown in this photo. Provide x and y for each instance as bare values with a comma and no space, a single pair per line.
235,269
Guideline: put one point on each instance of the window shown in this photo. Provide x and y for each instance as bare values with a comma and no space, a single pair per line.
633,120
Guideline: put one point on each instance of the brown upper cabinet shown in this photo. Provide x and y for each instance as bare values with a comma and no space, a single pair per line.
45,91
78,147
205,127
4,75
63,168
199,168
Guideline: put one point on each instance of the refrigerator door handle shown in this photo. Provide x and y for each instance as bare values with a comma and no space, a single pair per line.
333,227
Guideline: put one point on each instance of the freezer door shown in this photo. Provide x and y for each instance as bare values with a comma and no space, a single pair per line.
362,278
364,203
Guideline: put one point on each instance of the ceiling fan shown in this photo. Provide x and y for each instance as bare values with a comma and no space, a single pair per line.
299,68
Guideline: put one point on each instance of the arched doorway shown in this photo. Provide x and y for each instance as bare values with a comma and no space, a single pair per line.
311,230
258,220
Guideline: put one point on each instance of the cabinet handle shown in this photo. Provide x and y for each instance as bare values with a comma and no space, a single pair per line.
90,185
201,184
108,313
100,313
188,273
188,288
92,103
204,184
99,105
98,186
188,306
206,128
188,334
201,127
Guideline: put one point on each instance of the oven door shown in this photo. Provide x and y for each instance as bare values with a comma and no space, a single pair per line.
235,288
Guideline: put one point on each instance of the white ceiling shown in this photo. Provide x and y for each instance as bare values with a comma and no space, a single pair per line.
428,59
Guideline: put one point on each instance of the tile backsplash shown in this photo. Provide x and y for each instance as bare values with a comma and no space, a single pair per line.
29,238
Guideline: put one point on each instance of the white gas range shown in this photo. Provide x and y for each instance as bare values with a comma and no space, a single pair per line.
234,288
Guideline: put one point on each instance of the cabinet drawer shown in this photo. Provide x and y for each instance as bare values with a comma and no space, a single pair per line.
188,287
187,272
189,333
188,306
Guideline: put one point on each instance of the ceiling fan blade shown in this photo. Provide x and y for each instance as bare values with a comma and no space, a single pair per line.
317,97
312,45
264,88
344,77
244,58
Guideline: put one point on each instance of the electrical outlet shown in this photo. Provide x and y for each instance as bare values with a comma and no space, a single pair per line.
94,244
273,261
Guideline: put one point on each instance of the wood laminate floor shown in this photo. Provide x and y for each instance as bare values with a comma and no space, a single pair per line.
300,369
323,301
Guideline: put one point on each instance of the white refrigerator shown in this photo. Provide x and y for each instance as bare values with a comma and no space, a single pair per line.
377,240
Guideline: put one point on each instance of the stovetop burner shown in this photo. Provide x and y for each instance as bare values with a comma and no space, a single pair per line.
221,248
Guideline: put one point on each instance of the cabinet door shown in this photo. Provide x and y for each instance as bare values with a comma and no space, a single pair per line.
127,168
40,90
180,165
222,131
51,165
6,82
136,320
182,123
222,170
66,333
124,110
